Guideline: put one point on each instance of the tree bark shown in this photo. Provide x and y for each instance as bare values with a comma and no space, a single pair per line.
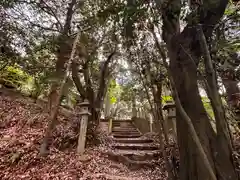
77,81
223,135
184,72
63,55
185,126
54,112
87,91
103,83
191,128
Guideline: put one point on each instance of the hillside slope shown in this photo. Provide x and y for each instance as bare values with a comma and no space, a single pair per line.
22,125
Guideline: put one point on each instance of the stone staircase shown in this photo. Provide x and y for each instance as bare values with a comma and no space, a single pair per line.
131,147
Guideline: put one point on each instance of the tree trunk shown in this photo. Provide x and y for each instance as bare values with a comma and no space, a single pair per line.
223,135
54,112
107,107
184,54
65,47
187,89
185,78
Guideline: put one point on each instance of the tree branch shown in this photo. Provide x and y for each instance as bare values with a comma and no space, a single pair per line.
221,122
70,11
77,81
47,9
104,72
52,13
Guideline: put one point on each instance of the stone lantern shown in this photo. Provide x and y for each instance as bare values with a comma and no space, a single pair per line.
170,108
84,113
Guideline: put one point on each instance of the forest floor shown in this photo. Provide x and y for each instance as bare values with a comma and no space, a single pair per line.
22,126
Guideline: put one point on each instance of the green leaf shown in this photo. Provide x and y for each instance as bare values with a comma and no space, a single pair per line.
166,98
113,100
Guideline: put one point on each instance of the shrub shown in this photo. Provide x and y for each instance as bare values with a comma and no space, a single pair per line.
14,77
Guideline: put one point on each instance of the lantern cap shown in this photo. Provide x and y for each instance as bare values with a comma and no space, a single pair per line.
169,105
84,103
84,113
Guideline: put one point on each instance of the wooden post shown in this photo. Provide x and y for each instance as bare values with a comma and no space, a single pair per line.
83,126
110,125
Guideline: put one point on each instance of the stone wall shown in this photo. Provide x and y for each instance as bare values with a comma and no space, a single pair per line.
142,124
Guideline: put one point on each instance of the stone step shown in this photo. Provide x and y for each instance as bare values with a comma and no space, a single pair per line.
122,120
124,128
123,146
119,131
132,140
126,136
118,122
127,132
139,154
135,156
122,125
134,135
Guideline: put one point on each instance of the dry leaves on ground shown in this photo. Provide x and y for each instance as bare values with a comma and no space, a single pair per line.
21,131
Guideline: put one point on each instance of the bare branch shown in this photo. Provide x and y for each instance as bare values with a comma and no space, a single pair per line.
53,14
46,8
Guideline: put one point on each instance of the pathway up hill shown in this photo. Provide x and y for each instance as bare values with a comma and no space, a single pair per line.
23,123
131,148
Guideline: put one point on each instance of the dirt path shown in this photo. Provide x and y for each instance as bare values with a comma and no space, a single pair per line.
22,125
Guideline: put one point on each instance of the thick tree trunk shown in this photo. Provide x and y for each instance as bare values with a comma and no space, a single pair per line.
54,112
185,78
182,114
63,55
184,54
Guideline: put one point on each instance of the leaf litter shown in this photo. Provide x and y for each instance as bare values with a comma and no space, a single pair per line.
22,126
